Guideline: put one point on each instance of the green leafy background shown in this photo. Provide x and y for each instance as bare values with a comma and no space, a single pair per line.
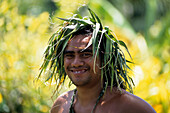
26,25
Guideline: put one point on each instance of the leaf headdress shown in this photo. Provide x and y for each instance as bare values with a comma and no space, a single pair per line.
105,44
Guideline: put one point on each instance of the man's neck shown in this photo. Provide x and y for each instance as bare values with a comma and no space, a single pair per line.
86,96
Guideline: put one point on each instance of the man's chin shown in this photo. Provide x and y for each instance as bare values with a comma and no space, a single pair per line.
80,84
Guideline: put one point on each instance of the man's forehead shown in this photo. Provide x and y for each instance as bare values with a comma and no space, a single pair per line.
80,38
78,42
81,48
85,39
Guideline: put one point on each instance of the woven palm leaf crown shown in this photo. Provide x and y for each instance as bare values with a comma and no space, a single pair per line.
104,43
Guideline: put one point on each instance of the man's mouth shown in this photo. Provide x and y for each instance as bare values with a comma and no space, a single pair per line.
78,71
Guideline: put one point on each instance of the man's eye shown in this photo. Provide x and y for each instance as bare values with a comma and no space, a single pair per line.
86,55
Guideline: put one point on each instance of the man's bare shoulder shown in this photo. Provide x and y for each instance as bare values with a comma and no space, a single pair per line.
135,104
129,103
62,103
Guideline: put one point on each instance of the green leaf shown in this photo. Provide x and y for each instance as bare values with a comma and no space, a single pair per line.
97,51
82,21
124,45
95,17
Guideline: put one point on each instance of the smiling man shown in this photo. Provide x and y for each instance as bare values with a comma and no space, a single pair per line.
89,55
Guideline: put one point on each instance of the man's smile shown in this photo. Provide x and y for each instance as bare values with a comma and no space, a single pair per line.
78,70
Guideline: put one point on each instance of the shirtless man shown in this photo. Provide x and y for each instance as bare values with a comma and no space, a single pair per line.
78,64
90,55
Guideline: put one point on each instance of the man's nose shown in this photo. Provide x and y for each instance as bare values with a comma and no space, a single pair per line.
77,61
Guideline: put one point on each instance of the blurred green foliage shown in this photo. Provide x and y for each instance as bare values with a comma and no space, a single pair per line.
26,25
21,37
35,7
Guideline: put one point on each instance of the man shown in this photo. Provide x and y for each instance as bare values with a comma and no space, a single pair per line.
90,55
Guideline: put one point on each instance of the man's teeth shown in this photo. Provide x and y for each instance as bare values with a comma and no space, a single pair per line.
79,71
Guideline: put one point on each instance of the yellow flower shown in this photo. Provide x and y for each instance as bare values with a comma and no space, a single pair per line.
1,99
158,108
44,108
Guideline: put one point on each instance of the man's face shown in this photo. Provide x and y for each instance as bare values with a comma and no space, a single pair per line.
79,64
